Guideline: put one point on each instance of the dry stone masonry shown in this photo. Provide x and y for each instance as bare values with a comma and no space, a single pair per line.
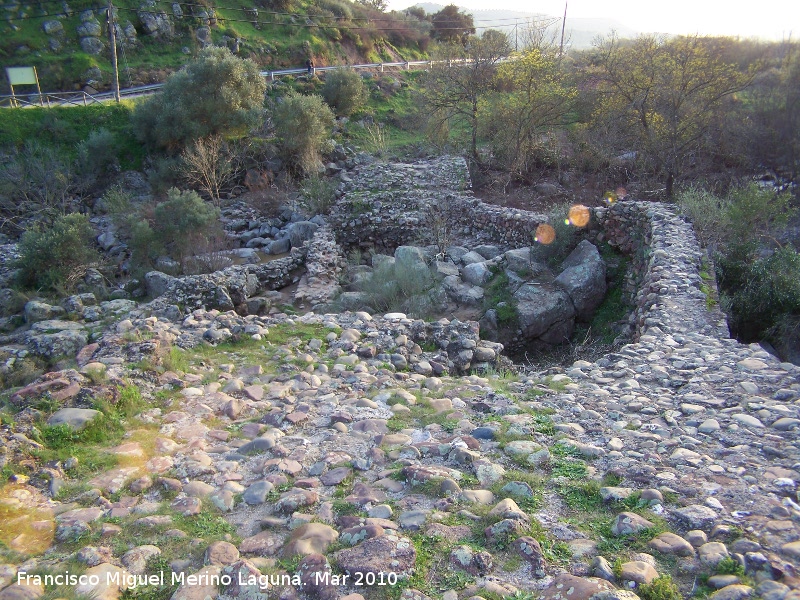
347,446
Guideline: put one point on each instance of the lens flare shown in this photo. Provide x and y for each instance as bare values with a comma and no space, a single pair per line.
579,216
545,234
27,523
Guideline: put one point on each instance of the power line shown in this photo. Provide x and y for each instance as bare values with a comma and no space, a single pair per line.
15,6
493,22
354,18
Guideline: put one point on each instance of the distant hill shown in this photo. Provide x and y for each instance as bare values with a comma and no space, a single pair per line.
580,31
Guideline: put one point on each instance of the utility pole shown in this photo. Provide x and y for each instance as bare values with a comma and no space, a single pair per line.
563,27
112,36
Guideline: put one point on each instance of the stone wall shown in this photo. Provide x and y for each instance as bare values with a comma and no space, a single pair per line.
375,215
666,259
226,289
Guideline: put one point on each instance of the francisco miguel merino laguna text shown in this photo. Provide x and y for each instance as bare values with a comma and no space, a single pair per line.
130,581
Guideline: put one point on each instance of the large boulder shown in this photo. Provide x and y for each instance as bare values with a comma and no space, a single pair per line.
545,312
75,418
462,293
155,21
301,231
90,29
54,338
279,246
36,311
520,261
157,283
476,273
584,278
53,27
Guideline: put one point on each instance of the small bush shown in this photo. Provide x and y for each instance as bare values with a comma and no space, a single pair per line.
303,125
499,297
182,225
56,256
393,288
97,154
748,213
705,211
319,194
36,181
661,588
344,91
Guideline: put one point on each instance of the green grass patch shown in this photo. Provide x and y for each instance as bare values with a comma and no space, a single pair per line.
207,525
499,297
570,468
63,128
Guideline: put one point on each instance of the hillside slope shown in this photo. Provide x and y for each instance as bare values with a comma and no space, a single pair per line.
68,41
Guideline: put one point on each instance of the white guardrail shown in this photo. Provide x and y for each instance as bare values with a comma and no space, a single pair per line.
83,98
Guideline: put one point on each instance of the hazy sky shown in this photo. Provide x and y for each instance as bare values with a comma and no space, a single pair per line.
773,19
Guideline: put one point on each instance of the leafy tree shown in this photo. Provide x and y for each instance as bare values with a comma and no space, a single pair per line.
452,26
344,91
659,96
454,91
534,100
216,94
303,126
418,13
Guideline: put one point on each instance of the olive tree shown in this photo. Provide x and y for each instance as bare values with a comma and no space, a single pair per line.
216,94
344,91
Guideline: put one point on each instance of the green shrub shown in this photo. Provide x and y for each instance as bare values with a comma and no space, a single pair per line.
393,288
760,293
319,194
661,588
218,93
745,214
303,125
500,298
56,256
759,287
97,154
180,226
344,91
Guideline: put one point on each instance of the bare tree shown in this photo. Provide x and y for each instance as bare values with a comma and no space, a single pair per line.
35,181
209,164
455,86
